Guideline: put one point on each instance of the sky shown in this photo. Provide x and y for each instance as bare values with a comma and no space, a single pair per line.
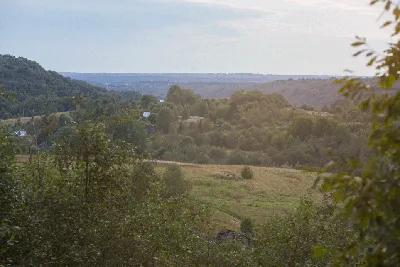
225,36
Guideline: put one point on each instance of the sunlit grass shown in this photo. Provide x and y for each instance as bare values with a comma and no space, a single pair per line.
24,120
272,191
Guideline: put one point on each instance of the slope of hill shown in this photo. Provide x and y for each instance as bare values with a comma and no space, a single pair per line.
37,90
313,92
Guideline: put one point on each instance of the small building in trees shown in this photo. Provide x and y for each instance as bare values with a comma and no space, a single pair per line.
20,133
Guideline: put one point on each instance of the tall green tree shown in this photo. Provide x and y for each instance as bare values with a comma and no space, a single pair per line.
324,126
174,179
88,150
8,194
128,131
180,96
372,198
186,113
301,127
147,100
165,118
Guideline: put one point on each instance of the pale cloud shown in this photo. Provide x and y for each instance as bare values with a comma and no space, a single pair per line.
263,36
355,5
269,5
341,18
250,5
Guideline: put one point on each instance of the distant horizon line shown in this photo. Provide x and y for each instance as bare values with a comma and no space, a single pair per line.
209,73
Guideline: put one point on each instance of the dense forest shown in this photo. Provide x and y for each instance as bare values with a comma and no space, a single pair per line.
253,128
36,91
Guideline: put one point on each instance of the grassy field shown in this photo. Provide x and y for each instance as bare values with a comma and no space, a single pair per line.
272,191
24,120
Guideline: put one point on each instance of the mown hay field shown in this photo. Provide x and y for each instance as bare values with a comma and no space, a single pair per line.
272,191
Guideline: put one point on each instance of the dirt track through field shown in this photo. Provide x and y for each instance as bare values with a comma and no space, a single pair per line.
174,163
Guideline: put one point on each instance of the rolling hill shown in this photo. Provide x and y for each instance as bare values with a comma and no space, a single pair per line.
312,90
37,90
316,91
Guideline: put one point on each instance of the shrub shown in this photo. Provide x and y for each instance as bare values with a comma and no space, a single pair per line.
296,239
301,127
174,179
246,226
247,173
202,158
237,157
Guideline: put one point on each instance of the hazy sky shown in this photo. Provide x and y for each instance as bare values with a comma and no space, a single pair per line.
258,36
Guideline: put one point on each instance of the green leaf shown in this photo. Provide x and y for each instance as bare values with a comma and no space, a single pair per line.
389,81
396,13
346,70
355,44
373,2
338,196
319,251
397,30
359,53
372,61
387,23
388,5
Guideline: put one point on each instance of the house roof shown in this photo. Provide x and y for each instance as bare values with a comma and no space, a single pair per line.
20,133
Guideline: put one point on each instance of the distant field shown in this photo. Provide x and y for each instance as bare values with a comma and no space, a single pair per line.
271,191
28,119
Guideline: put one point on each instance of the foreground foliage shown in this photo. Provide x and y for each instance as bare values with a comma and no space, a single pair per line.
92,209
91,202
371,196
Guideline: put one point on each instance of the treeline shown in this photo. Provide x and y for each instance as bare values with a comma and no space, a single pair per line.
250,128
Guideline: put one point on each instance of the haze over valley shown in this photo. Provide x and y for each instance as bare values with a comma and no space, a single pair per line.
313,90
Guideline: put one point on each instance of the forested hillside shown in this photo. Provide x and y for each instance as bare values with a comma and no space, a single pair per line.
38,91
313,92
